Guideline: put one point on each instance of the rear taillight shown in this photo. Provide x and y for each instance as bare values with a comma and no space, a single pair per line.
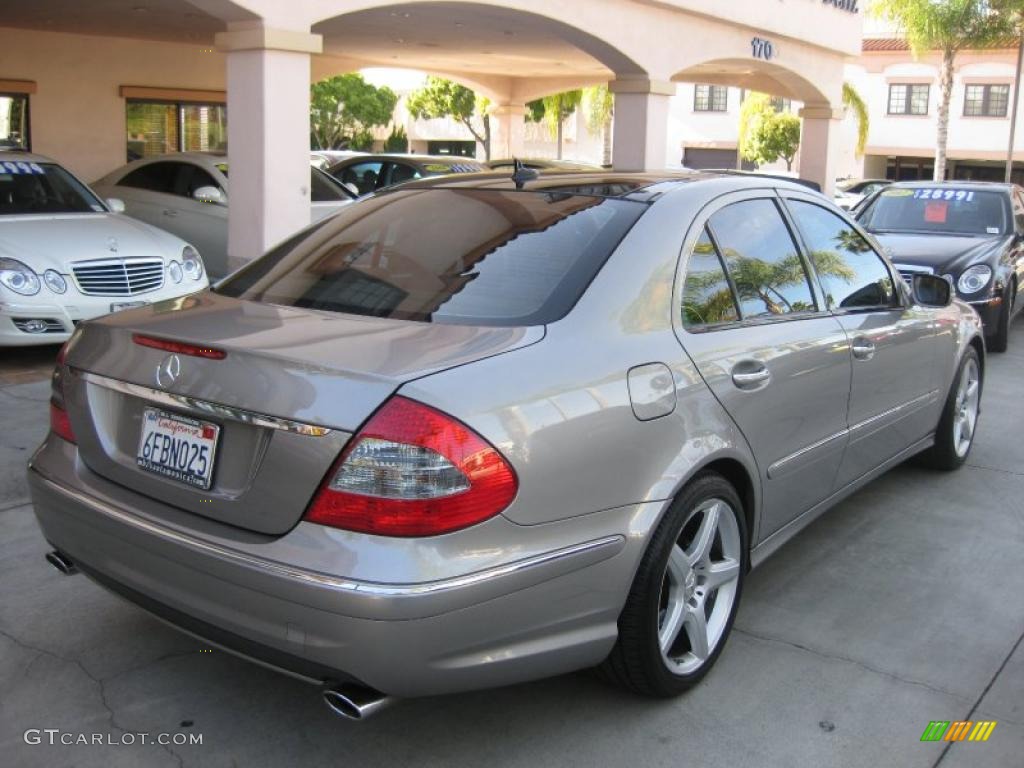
60,425
413,471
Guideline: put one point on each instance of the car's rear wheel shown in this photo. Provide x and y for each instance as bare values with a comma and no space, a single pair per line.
685,593
955,434
1000,340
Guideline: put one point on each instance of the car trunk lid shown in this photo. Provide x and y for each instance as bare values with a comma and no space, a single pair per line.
292,387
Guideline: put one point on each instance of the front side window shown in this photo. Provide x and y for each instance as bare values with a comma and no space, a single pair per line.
707,295
852,275
986,100
908,98
460,256
762,259
27,188
14,125
710,98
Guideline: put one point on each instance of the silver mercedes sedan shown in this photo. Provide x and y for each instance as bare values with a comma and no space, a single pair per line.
480,430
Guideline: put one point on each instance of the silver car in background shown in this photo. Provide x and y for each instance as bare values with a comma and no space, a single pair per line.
470,433
186,193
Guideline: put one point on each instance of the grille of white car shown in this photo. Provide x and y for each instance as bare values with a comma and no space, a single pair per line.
119,277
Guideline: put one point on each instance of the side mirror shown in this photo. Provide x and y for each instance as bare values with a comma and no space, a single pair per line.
209,195
115,204
932,291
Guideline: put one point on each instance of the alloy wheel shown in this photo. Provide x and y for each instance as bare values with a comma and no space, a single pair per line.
699,586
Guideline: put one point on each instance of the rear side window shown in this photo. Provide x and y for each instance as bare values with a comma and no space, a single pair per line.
156,177
707,296
762,259
852,275
465,256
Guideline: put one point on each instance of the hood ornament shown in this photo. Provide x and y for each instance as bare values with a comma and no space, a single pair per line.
169,371
112,244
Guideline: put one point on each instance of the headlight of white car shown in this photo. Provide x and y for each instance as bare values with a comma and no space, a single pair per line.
974,279
18,277
191,263
55,281
174,271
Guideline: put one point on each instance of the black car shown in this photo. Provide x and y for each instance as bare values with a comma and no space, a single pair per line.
366,174
971,233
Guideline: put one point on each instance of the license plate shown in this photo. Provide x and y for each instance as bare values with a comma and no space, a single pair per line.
178,447
119,306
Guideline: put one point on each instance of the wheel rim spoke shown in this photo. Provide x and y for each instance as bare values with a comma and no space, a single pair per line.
720,573
700,549
675,579
696,626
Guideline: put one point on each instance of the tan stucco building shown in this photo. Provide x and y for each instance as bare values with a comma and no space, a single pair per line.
83,65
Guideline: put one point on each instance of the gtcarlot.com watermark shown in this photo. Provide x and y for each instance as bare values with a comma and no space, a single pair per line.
54,736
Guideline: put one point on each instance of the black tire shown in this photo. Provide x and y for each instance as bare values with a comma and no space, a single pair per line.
1000,340
943,454
636,661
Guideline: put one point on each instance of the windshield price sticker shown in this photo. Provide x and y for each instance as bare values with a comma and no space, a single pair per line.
943,194
21,167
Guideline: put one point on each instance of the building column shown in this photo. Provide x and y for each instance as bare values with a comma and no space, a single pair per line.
508,131
820,144
268,74
640,128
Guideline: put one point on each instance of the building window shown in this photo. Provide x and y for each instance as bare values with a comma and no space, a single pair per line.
908,99
711,98
156,127
780,104
14,123
986,100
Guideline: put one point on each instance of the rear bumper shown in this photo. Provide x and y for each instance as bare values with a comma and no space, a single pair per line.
538,613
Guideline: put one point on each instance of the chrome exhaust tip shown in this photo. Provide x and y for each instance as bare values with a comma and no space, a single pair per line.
61,562
354,702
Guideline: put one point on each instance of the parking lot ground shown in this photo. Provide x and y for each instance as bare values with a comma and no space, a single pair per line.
903,605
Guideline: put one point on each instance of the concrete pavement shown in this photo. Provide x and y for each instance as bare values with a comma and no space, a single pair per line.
905,604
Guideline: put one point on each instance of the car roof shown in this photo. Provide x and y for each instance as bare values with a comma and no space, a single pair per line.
20,155
634,185
953,183
449,159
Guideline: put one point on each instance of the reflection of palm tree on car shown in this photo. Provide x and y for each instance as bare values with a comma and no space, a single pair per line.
757,280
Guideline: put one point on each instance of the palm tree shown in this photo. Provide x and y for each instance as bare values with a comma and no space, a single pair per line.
599,107
946,26
557,109
852,100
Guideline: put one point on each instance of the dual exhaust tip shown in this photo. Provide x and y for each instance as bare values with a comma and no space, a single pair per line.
352,702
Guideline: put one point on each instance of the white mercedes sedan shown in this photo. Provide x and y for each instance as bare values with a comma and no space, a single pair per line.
68,256
187,193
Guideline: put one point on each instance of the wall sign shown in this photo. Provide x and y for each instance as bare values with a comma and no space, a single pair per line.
762,49
850,6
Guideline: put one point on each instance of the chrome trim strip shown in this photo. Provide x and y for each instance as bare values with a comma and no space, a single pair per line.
213,409
878,417
314,578
773,470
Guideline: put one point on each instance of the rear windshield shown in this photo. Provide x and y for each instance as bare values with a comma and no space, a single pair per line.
465,256
946,209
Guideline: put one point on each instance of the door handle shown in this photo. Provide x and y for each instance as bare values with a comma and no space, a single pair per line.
747,378
170,212
863,349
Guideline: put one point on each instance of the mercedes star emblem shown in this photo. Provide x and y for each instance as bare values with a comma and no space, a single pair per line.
168,371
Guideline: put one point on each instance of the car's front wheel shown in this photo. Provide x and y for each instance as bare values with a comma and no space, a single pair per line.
685,593
955,434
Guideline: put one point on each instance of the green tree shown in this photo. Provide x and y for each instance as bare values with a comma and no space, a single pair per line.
946,26
599,107
766,134
554,110
852,100
397,141
444,98
343,110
